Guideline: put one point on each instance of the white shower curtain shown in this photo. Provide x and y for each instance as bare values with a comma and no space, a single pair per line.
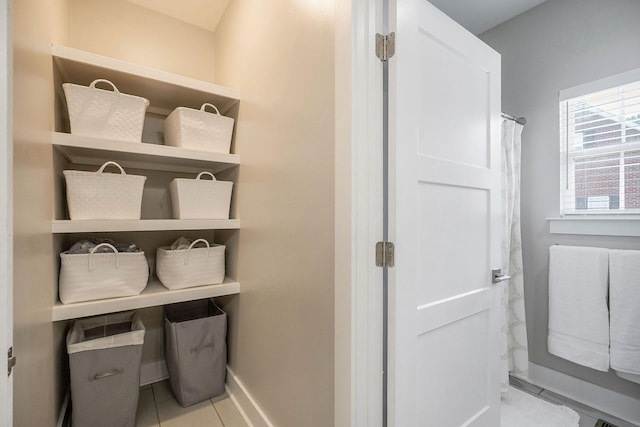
515,358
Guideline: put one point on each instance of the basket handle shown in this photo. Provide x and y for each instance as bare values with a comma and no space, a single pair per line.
206,104
111,163
199,348
206,173
95,248
186,257
103,375
96,81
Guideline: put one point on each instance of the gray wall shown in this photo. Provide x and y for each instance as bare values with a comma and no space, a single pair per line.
557,45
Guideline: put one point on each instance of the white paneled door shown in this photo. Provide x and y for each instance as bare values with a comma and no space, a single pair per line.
6,208
444,118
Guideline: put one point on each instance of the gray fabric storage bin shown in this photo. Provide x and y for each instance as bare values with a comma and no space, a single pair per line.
104,361
195,350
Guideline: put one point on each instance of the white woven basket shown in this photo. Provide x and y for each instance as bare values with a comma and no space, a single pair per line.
198,129
98,195
200,198
103,113
92,276
185,268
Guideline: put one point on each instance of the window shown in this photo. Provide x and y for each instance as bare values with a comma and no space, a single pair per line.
600,146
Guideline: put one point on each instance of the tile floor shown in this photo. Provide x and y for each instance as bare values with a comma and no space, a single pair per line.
158,408
588,415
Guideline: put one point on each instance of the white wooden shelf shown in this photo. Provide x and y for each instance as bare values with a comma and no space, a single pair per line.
627,227
95,151
99,225
154,295
164,90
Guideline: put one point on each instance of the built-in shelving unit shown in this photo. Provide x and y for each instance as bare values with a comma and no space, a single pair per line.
99,225
93,151
165,91
154,294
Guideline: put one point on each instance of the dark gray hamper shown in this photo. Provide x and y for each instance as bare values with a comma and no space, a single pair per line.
104,362
195,350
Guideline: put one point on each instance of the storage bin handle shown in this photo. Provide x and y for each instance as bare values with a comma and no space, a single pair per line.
111,163
95,248
96,81
206,173
104,375
206,104
199,348
186,257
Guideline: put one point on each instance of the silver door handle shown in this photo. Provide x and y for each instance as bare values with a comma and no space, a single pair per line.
497,276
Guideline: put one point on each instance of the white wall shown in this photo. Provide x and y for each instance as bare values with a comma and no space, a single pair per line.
557,45
38,343
280,55
123,30
6,204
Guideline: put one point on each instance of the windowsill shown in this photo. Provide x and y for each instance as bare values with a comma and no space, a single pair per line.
628,227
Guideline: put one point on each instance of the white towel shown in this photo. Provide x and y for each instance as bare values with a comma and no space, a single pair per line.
624,297
578,314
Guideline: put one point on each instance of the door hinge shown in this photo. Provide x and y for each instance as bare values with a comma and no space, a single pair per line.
11,361
384,254
385,46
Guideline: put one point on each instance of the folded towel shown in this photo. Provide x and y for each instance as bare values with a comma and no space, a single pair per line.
86,245
624,297
578,314
180,244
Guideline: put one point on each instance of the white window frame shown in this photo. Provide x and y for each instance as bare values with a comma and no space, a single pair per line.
567,165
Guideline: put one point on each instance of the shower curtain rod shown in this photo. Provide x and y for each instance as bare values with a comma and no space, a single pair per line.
520,120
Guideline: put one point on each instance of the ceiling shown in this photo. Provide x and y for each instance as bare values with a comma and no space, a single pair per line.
478,16
201,13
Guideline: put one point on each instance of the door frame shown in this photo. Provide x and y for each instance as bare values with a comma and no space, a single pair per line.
6,206
358,214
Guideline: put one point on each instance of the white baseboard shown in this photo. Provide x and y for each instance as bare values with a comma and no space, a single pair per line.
62,418
605,400
248,408
153,372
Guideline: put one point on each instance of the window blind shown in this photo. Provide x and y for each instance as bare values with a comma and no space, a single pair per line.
600,151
